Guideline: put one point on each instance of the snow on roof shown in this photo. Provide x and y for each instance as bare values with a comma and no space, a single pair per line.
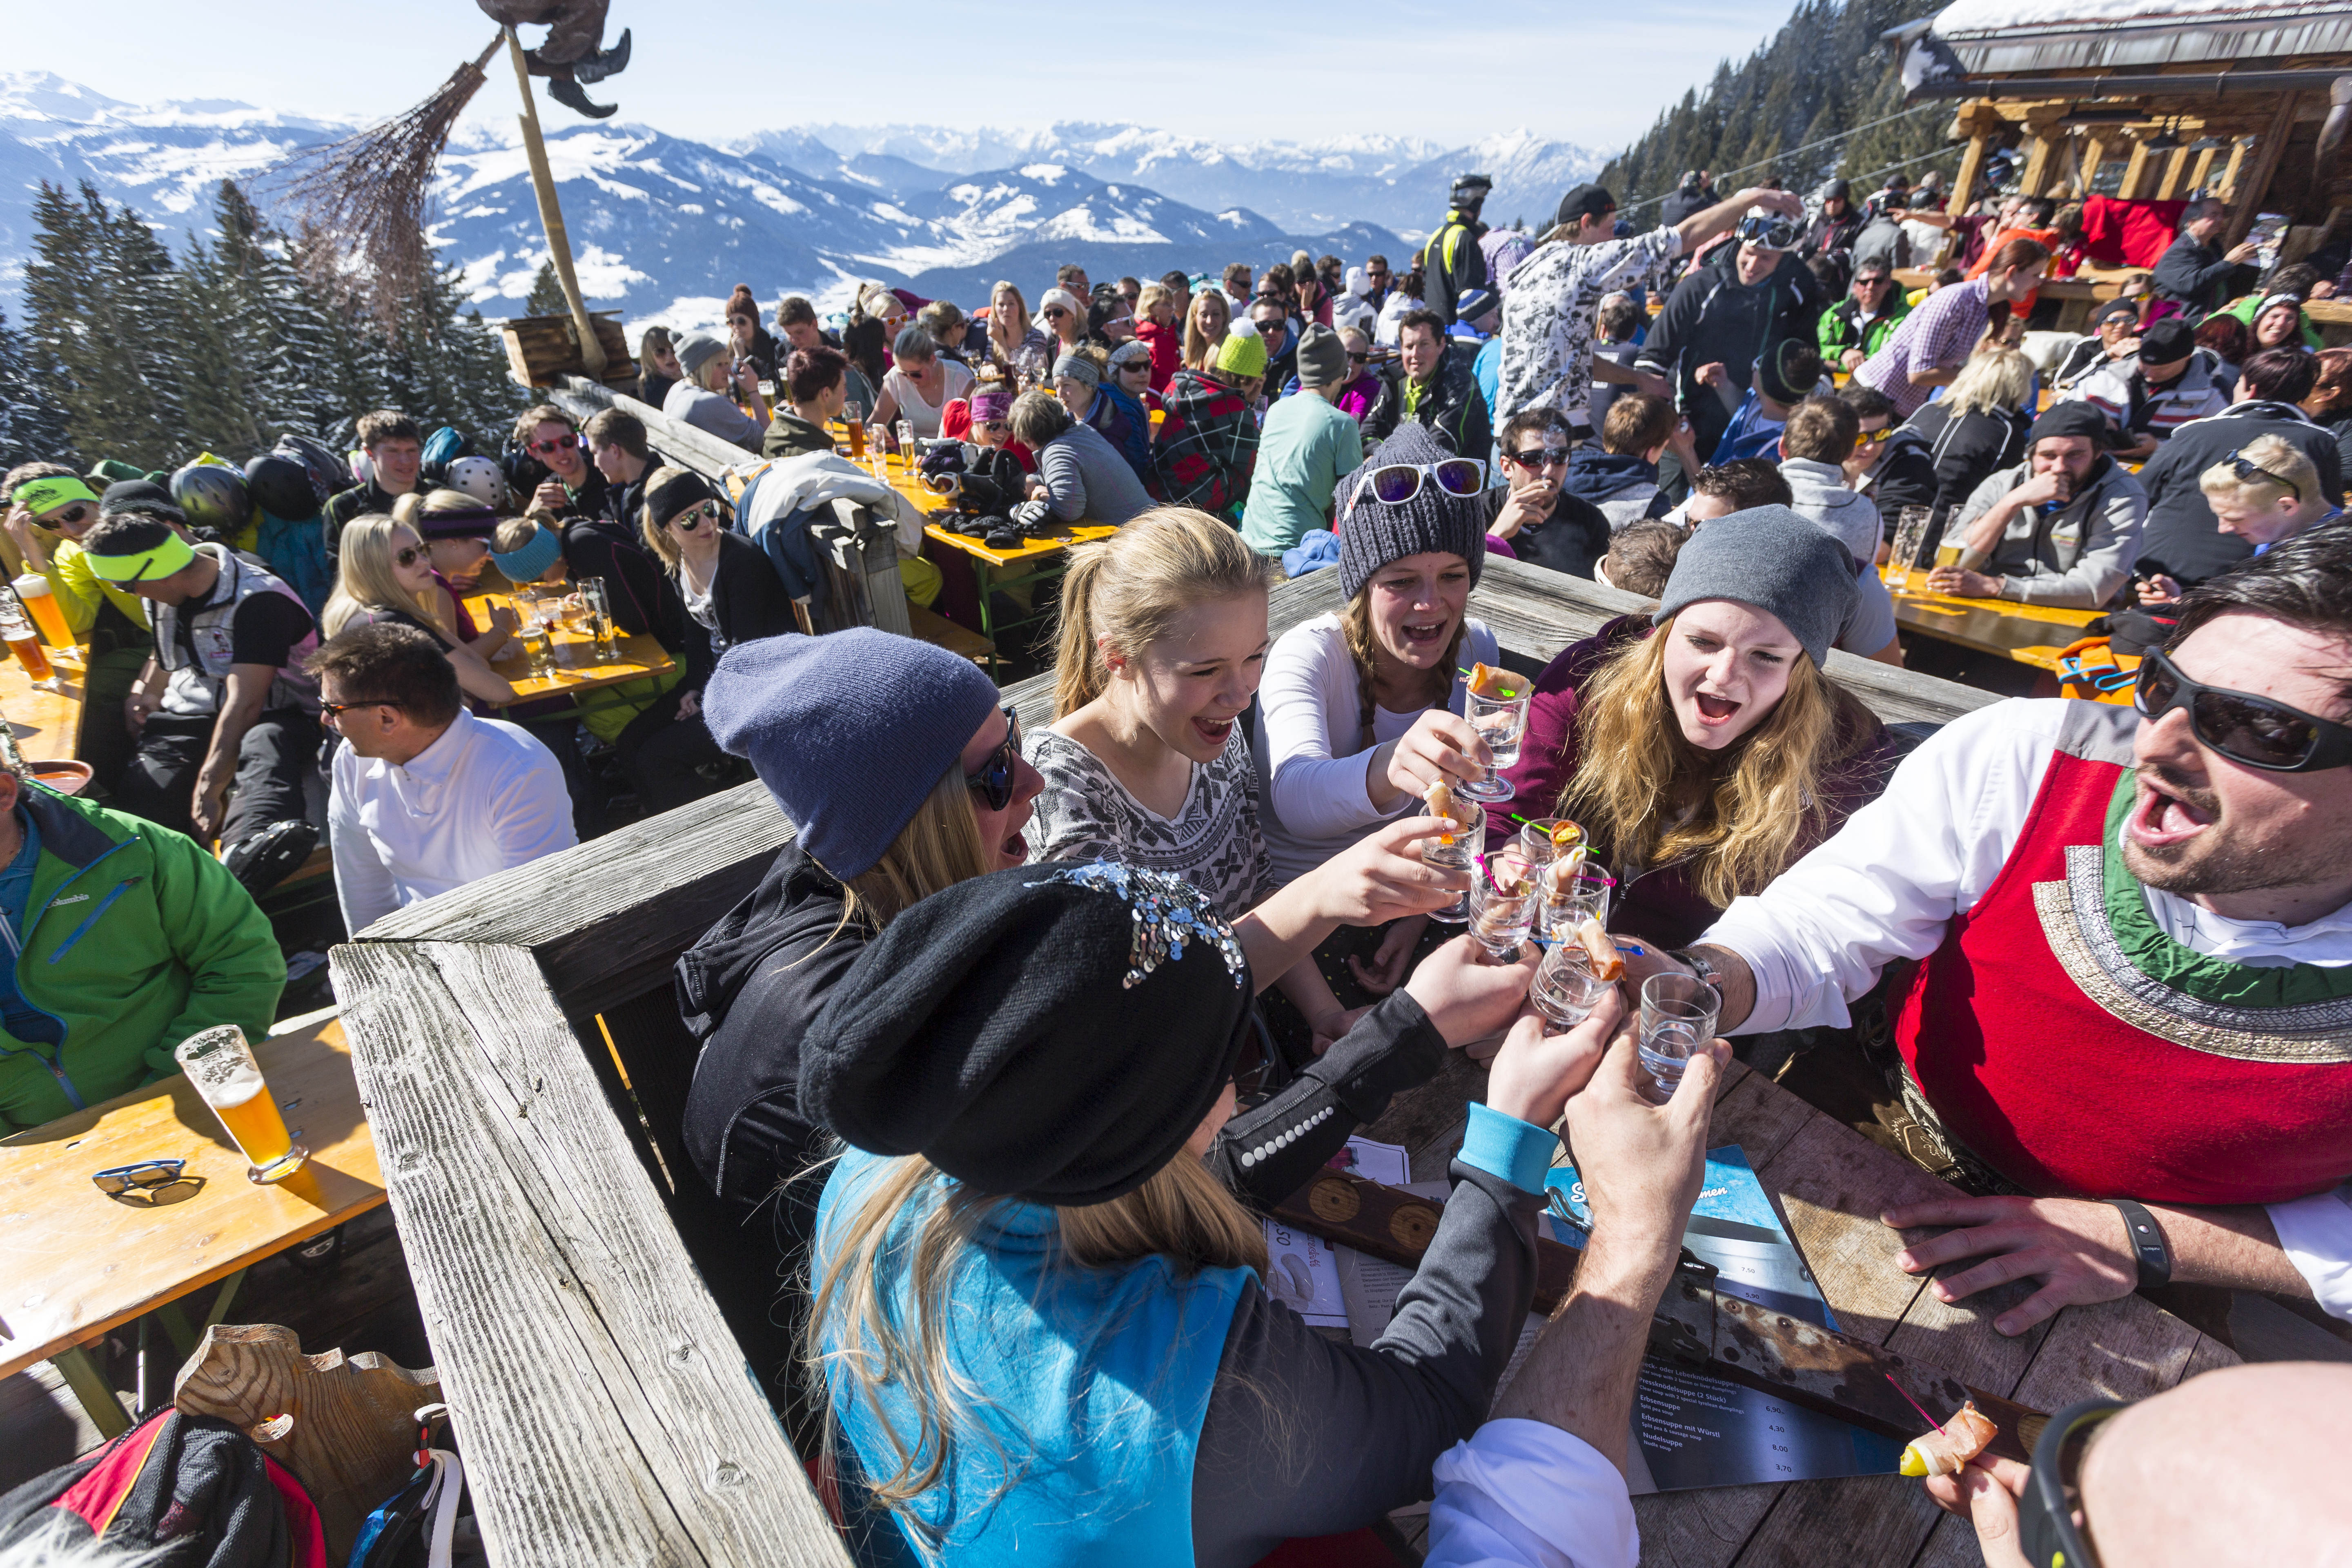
2002,36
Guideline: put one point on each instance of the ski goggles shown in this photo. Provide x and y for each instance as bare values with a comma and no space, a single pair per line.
1769,231
2254,731
144,565
2046,1530
1394,482
994,782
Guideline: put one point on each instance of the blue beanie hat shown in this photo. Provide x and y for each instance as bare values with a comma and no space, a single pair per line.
849,731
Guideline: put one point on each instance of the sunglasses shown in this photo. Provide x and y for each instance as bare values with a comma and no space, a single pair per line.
409,556
2046,1531
695,516
146,1174
1359,359
1872,282
1395,482
1055,313
331,711
75,514
1871,438
994,782
2248,471
544,449
995,425
1540,457
2253,730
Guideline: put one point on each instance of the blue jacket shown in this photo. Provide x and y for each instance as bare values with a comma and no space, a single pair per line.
1093,1381
1596,475
1750,433
1125,424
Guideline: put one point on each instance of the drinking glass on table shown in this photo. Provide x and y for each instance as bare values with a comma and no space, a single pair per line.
1910,532
16,630
1678,1015
1503,893
220,1065
1565,990
603,634
854,415
1500,723
535,607
1542,842
1456,851
905,431
40,602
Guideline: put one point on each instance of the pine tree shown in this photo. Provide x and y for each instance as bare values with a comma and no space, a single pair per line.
1823,75
107,312
32,420
546,294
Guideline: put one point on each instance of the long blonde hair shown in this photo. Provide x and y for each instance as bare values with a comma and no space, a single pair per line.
1997,379
364,580
1003,331
940,847
1364,649
1130,587
1656,798
888,1340
1198,345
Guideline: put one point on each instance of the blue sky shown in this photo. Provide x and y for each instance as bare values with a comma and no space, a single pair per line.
1582,71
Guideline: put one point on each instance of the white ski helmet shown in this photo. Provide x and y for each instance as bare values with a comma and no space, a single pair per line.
480,477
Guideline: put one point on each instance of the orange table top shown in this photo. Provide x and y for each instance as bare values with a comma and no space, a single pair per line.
75,1262
642,657
47,724
1990,626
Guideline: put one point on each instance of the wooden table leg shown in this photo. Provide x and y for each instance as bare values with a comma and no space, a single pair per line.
80,1369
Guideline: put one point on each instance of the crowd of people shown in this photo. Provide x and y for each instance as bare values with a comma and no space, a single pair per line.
1018,1032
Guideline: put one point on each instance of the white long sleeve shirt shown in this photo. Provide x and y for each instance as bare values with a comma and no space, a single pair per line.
484,796
1887,884
1529,1495
1314,800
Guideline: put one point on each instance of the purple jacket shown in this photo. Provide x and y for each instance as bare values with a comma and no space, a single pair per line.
1661,905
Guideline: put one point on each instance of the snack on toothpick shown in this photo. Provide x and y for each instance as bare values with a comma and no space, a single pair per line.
1608,963
1943,1451
1440,799
1491,681
1509,875
1566,834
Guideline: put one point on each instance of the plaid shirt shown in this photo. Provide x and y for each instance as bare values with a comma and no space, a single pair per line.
1208,444
1941,333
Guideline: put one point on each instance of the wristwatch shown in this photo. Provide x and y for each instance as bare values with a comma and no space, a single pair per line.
2147,1244
1700,965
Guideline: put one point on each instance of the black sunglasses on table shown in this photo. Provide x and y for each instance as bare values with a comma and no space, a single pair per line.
994,782
2255,730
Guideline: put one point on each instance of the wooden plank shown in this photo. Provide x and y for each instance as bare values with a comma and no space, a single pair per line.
1832,1183
1756,1114
2134,174
604,1406
1704,1529
2246,200
2175,163
1964,184
75,1263
1858,1519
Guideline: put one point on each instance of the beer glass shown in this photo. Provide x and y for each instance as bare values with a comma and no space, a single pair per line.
1565,990
16,630
1679,1014
221,1065
905,431
1947,554
601,629
1910,532
1500,723
1454,852
854,415
1504,894
42,604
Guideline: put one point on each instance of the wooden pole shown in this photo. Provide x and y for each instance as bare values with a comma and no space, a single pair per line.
2229,175
550,216
2247,200
1964,187
2199,171
2134,172
2094,158
2175,162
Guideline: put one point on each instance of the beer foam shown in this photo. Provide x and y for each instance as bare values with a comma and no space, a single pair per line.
232,1090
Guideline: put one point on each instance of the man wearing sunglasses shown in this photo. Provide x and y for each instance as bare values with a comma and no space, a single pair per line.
1722,324
551,459
396,454
2132,929
1858,326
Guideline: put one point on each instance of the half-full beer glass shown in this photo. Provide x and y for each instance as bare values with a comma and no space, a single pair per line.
221,1065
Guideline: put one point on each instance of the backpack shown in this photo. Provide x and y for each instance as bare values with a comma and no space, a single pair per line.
192,1489
442,447
418,1526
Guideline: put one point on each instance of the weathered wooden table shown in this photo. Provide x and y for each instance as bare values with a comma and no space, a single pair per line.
2027,634
75,1263
1831,1184
47,724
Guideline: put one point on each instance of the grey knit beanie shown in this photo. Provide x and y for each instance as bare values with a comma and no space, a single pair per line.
1373,533
1771,559
1078,368
696,350
1322,357
849,731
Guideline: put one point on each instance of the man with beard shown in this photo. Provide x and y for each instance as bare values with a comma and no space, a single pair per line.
2121,951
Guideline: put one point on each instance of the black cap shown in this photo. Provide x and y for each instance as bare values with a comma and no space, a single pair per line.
2171,338
2127,307
140,495
2075,416
1585,201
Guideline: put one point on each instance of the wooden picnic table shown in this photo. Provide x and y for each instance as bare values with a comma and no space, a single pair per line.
643,658
75,1263
2027,634
1829,1182
47,724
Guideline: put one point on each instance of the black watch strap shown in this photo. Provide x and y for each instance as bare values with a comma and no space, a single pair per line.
2147,1243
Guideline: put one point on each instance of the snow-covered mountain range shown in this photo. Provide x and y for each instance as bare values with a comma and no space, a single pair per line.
662,226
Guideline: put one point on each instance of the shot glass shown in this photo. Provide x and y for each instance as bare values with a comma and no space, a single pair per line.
1571,895
1565,990
1677,1020
1457,851
220,1065
1500,723
1536,840
1503,897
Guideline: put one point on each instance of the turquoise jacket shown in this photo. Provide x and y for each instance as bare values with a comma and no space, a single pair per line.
1089,1386
134,939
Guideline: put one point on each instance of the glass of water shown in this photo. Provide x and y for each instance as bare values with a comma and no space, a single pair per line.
1571,894
1503,897
1679,1014
1910,532
1565,989
1455,851
1500,723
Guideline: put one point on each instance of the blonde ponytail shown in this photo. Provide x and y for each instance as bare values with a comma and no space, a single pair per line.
1129,589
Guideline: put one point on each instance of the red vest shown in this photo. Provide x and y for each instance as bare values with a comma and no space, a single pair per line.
2061,1036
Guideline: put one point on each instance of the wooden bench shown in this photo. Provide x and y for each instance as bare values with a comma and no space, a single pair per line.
522,1057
